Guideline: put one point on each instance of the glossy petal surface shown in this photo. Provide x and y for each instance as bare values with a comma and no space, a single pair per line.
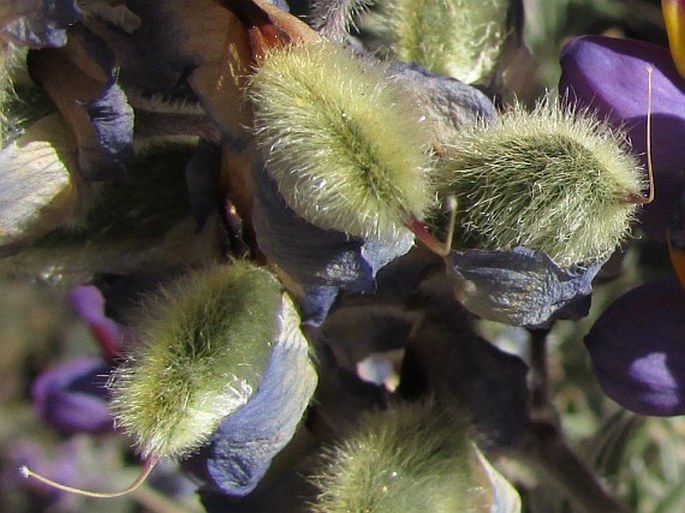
637,348
610,76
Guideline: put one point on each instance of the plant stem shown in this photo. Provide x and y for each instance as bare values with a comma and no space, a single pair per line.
544,448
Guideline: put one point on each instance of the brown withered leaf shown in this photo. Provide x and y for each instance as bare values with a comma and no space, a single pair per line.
81,80
270,27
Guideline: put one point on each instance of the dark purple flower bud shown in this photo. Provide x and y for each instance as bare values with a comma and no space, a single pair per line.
72,397
637,348
447,358
611,76
90,306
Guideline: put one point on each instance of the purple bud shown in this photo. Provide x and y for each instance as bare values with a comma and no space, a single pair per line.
72,397
637,348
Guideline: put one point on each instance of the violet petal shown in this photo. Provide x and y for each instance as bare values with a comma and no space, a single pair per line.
610,75
316,257
90,306
638,351
38,23
521,287
72,397
246,441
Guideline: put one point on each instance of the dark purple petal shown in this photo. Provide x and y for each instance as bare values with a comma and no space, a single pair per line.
637,348
107,155
316,303
316,257
72,397
38,23
246,441
610,75
521,287
450,361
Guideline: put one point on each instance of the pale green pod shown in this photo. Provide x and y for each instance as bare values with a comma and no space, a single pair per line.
411,457
554,179
343,143
462,39
205,344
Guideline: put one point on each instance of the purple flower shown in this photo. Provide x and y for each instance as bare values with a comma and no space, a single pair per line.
72,397
637,348
611,76
89,304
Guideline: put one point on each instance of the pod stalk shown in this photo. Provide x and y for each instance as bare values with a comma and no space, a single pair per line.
148,465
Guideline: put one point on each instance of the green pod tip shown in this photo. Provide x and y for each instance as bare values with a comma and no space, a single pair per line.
554,179
205,343
343,143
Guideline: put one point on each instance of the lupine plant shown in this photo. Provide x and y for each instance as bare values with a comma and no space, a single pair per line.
322,258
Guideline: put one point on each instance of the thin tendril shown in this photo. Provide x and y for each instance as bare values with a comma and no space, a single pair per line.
148,466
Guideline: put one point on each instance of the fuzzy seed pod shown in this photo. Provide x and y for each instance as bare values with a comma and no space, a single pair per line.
343,143
458,38
554,179
411,457
206,342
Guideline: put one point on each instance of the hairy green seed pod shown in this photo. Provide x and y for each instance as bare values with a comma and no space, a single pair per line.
411,457
205,343
343,143
553,179
458,38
